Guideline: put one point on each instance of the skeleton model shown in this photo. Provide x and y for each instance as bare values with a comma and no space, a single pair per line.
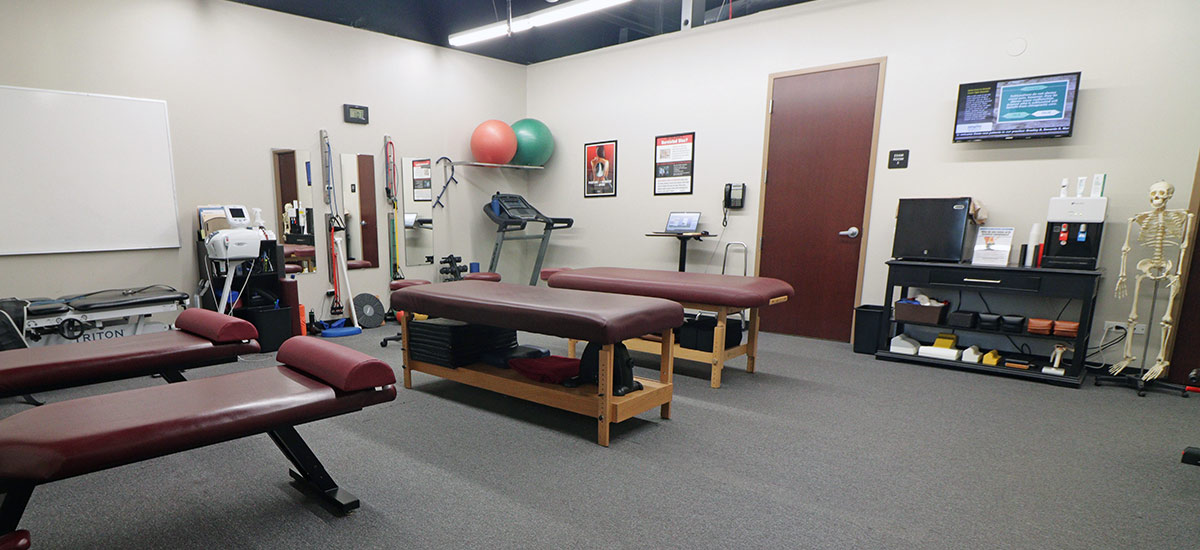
1159,228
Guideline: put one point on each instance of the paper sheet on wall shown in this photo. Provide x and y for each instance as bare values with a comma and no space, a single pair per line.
422,179
673,163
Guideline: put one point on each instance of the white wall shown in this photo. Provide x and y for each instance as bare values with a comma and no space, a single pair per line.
240,81
1137,118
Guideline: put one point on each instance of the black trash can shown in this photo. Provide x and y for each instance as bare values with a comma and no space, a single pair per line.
274,324
869,328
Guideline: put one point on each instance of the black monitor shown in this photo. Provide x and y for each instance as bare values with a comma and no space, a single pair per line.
1017,108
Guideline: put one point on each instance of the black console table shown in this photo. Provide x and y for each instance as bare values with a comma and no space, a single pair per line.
1021,281
683,242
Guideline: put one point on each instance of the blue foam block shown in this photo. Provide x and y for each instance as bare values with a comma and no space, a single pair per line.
340,331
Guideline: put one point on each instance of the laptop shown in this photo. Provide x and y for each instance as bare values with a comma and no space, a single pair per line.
682,222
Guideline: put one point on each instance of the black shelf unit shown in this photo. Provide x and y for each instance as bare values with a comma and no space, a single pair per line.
1019,281
273,324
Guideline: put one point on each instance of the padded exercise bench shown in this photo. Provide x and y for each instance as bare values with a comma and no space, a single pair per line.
201,338
594,317
317,380
722,294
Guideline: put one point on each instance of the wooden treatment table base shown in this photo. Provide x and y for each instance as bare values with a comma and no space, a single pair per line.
715,358
594,401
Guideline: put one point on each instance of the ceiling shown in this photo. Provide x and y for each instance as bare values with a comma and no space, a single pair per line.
433,21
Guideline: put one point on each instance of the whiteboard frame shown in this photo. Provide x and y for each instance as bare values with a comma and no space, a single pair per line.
170,164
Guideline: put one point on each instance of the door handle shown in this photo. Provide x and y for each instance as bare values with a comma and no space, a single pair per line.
852,233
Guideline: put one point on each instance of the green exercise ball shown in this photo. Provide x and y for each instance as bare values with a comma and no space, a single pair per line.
535,144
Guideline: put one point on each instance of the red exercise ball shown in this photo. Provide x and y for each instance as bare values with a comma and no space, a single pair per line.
494,142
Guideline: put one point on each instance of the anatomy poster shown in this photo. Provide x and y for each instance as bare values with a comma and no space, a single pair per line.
422,179
600,169
673,163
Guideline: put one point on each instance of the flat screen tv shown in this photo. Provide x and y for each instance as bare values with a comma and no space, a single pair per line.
1018,108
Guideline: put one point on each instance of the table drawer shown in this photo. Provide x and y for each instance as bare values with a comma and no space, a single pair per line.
987,279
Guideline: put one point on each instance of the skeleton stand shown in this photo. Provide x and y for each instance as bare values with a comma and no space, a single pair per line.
1134,380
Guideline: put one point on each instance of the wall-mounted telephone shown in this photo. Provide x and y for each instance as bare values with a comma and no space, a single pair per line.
735,195
735,198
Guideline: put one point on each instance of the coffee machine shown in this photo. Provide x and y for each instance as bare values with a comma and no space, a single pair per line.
1074,226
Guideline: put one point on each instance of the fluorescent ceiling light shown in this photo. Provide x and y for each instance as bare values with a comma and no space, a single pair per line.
536,19
571,9
487,32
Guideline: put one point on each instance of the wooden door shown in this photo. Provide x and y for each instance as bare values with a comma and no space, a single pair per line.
819,165
285,170
368,231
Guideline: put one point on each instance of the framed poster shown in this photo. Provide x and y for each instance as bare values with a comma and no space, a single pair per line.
600,169
422,179
674,160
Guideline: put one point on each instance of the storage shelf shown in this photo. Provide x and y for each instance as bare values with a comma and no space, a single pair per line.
991,332
494,165
1013,281
1034,372
581,399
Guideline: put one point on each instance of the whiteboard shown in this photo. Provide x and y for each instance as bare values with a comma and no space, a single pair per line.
84,172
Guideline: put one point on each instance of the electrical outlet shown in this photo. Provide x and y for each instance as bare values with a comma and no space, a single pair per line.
1139,328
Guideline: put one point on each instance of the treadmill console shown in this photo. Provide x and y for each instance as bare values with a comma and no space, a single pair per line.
512,213
515,206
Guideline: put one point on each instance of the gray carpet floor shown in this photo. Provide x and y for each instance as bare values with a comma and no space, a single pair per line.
821,448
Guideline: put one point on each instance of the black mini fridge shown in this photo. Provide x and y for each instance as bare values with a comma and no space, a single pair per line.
940,230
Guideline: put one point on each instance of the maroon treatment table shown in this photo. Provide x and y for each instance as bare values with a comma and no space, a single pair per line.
315,380
591,316
722,294
200,338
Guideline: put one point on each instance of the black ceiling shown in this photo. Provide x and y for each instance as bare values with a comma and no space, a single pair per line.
434,21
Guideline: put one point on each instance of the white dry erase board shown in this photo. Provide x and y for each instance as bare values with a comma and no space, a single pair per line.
84,172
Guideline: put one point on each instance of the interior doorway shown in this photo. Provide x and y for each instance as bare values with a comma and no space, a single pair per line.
819,166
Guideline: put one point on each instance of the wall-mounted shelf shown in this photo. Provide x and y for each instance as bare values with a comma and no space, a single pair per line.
494,165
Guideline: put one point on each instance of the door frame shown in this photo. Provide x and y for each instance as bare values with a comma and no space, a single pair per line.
762,194
1185,272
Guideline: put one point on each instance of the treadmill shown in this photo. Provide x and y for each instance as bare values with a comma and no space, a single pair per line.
511,213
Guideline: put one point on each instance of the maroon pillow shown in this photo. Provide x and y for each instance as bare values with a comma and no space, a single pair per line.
221,329
336,365
482,276
16,540
553,369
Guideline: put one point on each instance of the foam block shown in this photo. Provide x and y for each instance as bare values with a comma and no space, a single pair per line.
902,343
936,352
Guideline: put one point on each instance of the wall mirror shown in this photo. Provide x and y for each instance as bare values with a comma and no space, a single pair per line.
416,203
357,205
294,207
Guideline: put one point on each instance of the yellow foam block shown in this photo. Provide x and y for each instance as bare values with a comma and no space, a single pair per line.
991,358
945,340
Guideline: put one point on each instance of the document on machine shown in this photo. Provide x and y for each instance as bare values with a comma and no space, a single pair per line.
993,245
673,160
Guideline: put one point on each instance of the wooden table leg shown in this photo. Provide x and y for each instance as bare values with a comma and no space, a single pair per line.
605,382
718,352
404,344
666,367
571,347
752,341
